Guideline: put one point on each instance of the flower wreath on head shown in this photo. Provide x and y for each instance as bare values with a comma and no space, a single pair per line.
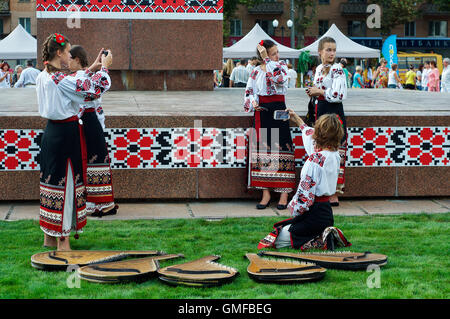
59,38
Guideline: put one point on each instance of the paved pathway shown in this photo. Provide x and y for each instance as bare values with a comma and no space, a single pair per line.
213,210
228,102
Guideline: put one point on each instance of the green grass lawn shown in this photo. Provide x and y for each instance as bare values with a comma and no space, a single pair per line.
417,247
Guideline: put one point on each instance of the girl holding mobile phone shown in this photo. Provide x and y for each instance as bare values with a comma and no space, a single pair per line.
271,152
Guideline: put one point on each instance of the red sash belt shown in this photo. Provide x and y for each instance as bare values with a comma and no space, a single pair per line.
321,98
322,199
89,110
82,141
270,98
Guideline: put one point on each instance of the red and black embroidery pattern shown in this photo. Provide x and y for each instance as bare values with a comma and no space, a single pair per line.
149,148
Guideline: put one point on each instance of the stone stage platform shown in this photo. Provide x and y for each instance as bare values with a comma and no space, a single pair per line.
192,145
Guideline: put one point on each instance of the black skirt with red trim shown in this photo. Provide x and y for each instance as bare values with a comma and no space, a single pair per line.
271,152
98,176
60,146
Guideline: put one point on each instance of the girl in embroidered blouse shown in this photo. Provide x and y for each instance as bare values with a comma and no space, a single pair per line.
310,207
100,197
62,160
271,152
330,89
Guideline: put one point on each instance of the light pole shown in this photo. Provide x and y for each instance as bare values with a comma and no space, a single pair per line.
292,25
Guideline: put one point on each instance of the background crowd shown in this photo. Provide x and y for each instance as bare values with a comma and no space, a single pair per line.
19,77
424,78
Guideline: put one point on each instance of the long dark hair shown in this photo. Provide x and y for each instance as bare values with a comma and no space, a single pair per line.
77,51
49,50
267,44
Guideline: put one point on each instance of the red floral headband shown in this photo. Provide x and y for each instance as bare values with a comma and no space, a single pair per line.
261,43
59,38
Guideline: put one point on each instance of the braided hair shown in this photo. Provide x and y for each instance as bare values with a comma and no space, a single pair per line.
49,50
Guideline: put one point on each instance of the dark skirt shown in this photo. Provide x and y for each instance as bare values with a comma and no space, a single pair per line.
325,107
62,188
308,225
98,176
271,152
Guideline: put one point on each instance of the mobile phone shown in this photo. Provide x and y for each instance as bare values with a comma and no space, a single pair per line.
281,115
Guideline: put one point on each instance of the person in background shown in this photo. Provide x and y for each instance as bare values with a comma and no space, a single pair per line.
226,72
348,75
28,76
292,76
358,79
5,76
271,151
425,73
394,80
445,79
419,77
410,76
252,63
17,72
433,78
380,78
330,90
239,75
217,78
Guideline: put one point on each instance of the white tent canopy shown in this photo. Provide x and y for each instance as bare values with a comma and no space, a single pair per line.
19,44
246,47
345,47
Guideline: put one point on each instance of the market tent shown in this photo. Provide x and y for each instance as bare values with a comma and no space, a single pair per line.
19,44
345,47
246,47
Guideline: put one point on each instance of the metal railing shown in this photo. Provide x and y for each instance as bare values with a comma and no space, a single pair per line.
4,6
267,8
349,8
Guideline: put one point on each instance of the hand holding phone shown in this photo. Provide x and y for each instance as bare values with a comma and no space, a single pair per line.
281,115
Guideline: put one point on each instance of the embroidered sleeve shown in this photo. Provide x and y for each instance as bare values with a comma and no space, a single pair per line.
250,95
308,142
338,90
82,87
277,72
306,191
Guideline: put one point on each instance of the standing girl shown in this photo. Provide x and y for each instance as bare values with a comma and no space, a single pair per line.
330,89
271,154
5,76
433,78
62,155
100,197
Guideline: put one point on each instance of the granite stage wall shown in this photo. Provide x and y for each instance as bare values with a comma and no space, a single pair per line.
202,157
157,44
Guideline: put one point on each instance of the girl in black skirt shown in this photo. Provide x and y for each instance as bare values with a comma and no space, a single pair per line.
100,196
271,152
62,154
310,207
330,89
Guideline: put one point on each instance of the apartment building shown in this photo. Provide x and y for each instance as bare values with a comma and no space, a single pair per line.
428,33
13,12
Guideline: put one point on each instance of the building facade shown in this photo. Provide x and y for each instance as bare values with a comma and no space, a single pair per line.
431,32
14,12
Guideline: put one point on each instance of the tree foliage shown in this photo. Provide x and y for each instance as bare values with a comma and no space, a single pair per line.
229,10
395,12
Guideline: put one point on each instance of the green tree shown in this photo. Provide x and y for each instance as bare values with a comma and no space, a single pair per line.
305,14
229,10
395,12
